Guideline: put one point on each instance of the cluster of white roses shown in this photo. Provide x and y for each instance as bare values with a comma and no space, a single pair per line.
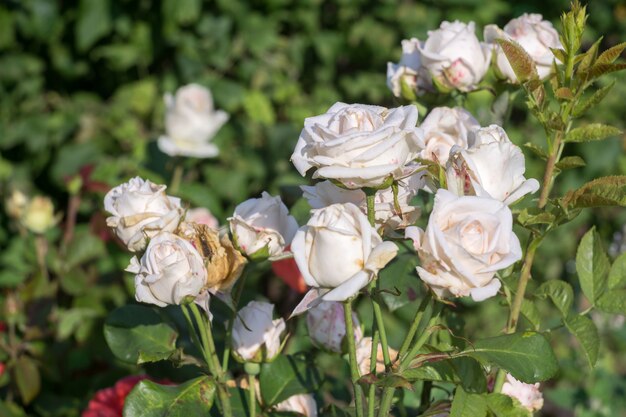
452,57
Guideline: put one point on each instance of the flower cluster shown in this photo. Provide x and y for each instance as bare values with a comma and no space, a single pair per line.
453,58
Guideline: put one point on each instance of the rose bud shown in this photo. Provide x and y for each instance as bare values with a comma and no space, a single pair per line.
327,327
256,336
38,215
408,78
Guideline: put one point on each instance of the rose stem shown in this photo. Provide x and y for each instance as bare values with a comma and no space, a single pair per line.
251,391
193,332
229,331
177,176
371,393
427,319
354,370
41,247
206,336
417,320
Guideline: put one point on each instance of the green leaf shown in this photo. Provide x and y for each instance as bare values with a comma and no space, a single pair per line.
522,64
600,69
467,405
614,300
259,108
94,22
591,132
587,335
531,313
604,191
570,162
463,371
617,274
541,153
527,356
610,55
27,378
502,405
592,265
529,217
588,58
239,401
596,98
564,93
561,294
132,330
286,376
149,399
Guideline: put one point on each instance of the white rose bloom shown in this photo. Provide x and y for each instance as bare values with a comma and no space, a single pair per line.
327,326
533,34
139,210
493,169
338,252
202,215
301,403
263,222
466,241
170,270
191,122
359,145
256,337
409,70
445,127
325,193
455,57
485,135
527,394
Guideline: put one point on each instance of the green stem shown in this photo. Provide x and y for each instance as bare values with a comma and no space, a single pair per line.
228,343
194,334
251,390
371,394
406,344
177,176
371,202
354,370
425,396
380,325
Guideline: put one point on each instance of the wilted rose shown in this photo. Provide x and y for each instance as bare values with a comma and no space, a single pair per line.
256,336
454,56
191,122
466,241
533,34
359,145
262,227
169,271
139,210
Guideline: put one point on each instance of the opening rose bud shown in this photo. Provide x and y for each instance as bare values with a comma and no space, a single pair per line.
256,336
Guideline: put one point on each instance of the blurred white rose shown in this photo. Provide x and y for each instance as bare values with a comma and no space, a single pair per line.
359,145
170,270
445,127
202,215
38,215
339,252
409,71
454,56
256,336
389,216
527,394
191,122
493,169
139,210
364,356
16,204
302,404
466,241
533,34
327,326
260,223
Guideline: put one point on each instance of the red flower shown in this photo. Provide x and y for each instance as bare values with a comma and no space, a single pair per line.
109,402
288,271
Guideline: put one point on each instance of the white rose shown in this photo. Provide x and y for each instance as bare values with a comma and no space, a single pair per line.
170,270
466,241
445,127
359,145
388,215
364,356
302,404
191,122
339,252
256,337
38,215
494,169
485,135
455,57
327,326
409,70
140,209
533,34
527,394
263,222
202,215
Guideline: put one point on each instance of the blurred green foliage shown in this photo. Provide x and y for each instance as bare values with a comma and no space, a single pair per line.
81,84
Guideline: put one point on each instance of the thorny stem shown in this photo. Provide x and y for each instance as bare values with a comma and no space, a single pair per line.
354,370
